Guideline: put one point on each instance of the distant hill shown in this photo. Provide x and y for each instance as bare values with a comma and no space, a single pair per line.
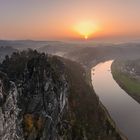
59,49
23,44
82,51
88,55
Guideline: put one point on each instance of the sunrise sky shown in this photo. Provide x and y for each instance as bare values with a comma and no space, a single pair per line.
69,19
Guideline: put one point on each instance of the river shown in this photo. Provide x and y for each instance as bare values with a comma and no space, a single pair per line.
124,110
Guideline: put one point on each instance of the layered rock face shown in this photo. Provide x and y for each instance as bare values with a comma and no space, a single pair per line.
9,111
48,98
36,98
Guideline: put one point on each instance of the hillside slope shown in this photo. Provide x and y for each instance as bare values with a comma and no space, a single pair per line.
47,98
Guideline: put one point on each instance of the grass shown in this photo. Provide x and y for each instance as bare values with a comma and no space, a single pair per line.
126,81
132,85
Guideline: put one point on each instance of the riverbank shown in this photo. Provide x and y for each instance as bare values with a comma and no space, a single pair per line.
112,122
108,117
61,102
126,80
123,109
88,114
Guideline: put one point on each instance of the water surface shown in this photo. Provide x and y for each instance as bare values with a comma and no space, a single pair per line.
124,110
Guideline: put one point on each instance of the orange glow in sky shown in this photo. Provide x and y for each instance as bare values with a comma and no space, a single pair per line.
85,29
73,19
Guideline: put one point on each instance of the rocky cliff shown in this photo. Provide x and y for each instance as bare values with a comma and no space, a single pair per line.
9,111
47,98
37,96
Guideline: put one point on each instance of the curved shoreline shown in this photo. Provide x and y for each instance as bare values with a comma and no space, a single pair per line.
136,98
124,110
112,122
108,116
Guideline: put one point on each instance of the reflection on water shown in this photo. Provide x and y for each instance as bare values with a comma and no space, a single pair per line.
124,110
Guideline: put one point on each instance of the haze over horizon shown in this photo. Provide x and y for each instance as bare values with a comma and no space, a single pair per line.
56,19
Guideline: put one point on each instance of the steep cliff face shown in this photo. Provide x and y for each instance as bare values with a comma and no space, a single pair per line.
9,111
89,120
48,98
39,89
43,97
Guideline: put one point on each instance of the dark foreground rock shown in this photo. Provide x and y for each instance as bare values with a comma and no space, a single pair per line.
48,98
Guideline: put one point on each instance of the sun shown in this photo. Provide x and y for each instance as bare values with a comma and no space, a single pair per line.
85,29
86,37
